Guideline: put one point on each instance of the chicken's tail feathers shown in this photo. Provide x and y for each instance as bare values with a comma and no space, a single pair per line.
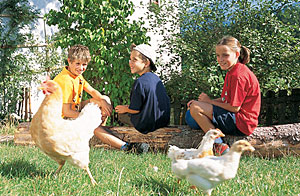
90,116
172,152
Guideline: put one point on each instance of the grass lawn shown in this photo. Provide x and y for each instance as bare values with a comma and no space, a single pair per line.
27,171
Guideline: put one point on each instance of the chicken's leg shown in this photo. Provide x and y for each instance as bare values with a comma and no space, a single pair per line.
93,181
59,168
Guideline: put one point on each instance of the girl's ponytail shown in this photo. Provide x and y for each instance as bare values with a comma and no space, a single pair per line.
235,45
244,55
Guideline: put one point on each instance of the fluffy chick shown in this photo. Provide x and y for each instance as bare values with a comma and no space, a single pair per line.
205,148
60,139
208,172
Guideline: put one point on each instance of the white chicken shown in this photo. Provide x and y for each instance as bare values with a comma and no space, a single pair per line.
64,140
205,148
208,172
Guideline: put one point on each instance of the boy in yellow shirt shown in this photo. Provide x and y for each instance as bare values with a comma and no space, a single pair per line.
73,84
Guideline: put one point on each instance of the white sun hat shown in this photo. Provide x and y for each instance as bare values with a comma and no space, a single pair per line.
149,52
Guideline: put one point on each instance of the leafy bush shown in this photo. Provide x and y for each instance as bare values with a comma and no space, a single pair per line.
265,27
15,68
103,26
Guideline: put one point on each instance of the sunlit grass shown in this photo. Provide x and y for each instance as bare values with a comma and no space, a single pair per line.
27,171
8,127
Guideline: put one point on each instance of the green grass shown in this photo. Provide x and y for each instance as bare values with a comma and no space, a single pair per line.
8,128
27,171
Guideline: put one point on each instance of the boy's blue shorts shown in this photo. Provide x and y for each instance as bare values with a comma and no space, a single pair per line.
190,121
222,119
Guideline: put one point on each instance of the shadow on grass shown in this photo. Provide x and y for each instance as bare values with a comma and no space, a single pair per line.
157,186
20,169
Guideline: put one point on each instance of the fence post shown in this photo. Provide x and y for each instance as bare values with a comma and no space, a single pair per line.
270,107
29,103
183,113
26,103
295,103
177,110
282,99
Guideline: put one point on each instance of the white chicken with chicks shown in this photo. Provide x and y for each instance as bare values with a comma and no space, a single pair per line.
208,172
60,139
205,148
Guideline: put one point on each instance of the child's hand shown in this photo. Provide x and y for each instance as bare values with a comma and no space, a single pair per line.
204,97
121,109
106,107
189,103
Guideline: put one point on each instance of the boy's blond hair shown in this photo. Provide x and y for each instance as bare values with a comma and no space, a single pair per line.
79,52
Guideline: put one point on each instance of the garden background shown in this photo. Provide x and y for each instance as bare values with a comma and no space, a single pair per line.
188,32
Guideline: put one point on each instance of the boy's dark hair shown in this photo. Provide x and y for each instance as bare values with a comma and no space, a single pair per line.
235,45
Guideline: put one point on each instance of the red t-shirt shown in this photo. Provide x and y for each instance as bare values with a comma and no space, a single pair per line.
241,88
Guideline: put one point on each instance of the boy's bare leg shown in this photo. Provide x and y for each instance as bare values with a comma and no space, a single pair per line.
104,120
108,138
202,114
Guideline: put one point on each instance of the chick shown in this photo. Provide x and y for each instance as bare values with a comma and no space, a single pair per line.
205,148
208,172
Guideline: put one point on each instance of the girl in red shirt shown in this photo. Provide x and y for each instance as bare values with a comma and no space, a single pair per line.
236,111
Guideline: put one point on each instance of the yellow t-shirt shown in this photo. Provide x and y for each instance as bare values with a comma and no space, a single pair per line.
72,87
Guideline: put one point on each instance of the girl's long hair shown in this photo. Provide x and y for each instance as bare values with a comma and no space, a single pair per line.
235,45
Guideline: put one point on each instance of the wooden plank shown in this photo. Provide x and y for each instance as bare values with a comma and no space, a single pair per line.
22,135
6,138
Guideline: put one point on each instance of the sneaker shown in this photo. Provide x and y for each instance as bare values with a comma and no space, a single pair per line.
220,149
138,148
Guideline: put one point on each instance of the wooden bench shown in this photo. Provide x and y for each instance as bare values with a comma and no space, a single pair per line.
269,142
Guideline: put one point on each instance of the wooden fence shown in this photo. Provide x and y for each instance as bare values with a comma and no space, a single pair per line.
279,108
24,105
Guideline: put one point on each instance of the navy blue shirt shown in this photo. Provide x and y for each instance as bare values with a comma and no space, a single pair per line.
148,95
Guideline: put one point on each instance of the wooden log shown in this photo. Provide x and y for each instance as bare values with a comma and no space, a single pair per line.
22,135
6,138
273,141
269,142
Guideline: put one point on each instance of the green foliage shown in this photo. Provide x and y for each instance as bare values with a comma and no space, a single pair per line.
8,126
188,84
15,71
268,28
104,27
50,60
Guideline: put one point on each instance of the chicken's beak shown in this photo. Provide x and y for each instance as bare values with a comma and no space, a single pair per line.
222,135
44,89
251,148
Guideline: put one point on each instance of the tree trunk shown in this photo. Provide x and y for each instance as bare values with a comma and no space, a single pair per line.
269,142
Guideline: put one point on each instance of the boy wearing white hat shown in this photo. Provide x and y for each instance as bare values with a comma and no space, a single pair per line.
149,107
